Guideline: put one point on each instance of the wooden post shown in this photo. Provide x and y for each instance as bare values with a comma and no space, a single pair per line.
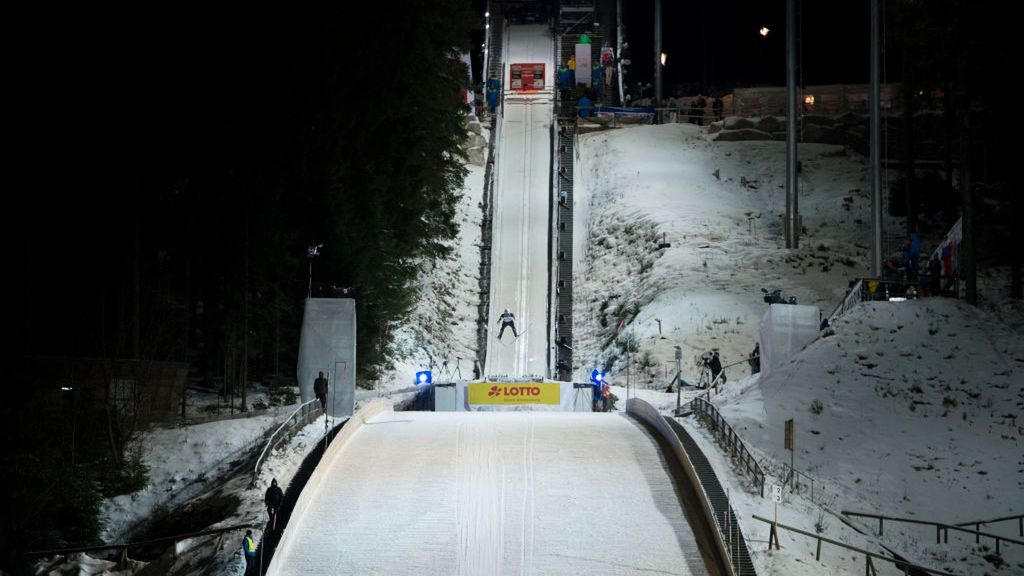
788,443
817,553
879,525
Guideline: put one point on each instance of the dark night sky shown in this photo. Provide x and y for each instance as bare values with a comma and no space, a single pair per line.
718,45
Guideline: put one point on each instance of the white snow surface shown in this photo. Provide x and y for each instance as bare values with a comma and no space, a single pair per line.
492,493
871,451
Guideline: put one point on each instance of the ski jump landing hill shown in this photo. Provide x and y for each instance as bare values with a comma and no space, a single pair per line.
491,493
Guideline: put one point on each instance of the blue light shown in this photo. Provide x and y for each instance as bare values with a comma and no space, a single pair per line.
424,377
596,376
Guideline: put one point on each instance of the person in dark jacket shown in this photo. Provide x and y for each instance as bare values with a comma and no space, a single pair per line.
273,498
716,368
320,389
755,359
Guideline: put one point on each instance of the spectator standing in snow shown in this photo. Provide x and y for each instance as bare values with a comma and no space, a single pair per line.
320,389
716,368
915,253
273,498
249,551
911,254
717,106
701,105
755,359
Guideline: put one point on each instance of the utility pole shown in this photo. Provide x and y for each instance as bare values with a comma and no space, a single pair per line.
792,214
876,143
968,265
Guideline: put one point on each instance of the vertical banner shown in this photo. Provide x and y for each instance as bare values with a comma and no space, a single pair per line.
583,64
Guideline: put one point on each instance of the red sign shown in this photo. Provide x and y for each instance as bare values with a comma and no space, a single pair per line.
526,77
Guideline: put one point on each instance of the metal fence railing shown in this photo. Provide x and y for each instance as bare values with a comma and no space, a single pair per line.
977,523
725,434
773,539
123,548
301,416
941,528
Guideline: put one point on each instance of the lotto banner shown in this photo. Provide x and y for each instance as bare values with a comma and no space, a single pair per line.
509,393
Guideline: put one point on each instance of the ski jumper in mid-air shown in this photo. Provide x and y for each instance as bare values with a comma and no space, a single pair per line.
508,320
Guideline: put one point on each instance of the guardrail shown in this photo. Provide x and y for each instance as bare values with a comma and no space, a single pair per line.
977,523
125,546
869,568
941,528
301,416
725,434
725,535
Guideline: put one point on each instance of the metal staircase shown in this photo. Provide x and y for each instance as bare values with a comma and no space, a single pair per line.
725,517
565,125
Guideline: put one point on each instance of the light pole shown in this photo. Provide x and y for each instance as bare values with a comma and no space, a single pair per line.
659,58
311,253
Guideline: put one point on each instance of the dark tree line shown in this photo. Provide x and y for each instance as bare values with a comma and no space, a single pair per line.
955,56
175,163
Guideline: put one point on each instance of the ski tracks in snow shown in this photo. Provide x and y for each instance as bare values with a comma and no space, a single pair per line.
480,510
529,503
484,530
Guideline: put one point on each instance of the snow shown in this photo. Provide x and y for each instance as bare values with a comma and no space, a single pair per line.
493,493
919,400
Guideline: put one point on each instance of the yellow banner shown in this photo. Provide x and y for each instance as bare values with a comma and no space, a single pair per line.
514,393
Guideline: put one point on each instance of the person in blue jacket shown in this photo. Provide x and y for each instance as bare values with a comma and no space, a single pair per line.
564,81
585,106
493,87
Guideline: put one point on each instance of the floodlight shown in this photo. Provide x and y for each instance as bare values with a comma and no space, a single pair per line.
597,376
424,377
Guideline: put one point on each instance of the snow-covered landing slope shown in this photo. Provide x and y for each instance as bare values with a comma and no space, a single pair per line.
493,493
